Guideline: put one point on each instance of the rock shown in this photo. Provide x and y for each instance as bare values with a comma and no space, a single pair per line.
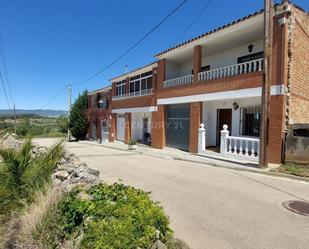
9,141
61,175
158,245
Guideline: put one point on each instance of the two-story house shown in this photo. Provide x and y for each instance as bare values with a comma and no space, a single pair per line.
134,100
216,79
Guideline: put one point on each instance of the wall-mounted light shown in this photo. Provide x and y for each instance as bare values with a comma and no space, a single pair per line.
250,48
235,106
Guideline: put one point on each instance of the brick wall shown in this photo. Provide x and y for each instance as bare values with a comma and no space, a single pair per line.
298,105
195,121
158,139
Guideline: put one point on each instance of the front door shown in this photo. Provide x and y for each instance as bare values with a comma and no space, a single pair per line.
145,128
105,133
224,116
120,127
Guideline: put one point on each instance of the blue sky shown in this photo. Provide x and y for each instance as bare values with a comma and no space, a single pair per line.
54,42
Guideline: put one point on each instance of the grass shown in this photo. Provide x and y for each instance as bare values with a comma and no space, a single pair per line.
294,169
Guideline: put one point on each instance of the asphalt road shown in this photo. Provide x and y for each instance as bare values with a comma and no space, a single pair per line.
209,207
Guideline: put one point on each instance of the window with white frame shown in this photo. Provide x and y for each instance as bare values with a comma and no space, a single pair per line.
250,121
120,88
141,82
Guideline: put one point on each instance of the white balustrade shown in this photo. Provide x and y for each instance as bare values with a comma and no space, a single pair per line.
133,94
239,146
232,70
185,80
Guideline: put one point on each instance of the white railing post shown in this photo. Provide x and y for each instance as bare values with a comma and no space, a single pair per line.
201,139
224,136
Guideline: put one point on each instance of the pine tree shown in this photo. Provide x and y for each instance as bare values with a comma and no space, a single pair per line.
78,119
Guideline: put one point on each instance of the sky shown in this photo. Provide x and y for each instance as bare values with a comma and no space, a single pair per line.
50,43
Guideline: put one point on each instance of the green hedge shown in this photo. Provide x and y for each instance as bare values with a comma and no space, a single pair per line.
109,216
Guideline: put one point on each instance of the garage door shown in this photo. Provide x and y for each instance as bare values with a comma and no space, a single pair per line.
178,126
120,127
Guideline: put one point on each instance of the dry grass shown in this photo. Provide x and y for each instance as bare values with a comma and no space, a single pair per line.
294,169
45,200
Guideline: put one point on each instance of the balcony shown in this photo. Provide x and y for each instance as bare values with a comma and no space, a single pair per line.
218,73
133,94
185,80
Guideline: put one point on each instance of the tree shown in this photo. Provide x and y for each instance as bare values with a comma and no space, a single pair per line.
78,124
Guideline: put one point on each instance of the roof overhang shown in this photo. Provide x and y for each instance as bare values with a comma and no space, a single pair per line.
135,72
101,90
215,35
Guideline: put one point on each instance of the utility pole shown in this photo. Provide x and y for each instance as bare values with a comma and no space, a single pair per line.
14,120
264,125
69,109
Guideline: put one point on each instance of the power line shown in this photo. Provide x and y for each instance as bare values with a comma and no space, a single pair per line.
3,57
134,45
194,21
4,90
119,57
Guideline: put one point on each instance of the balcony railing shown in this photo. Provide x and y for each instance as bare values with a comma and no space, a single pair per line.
133,94
185,80
232,70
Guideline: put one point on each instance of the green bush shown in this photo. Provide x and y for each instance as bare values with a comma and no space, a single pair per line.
21,174
109,216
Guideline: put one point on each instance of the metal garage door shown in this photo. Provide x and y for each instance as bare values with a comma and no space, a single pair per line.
178,126
120,127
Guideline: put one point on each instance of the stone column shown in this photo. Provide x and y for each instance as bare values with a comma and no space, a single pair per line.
201,139
223,144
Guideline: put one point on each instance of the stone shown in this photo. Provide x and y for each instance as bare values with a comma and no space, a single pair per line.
158,245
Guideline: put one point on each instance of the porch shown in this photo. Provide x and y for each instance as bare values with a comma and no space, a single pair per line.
230,130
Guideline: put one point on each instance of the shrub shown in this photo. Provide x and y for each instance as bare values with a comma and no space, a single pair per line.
21,174
108,216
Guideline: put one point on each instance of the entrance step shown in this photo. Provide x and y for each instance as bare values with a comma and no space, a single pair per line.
229,159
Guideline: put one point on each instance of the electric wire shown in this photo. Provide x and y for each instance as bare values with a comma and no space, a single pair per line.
3,57
193,22
134,45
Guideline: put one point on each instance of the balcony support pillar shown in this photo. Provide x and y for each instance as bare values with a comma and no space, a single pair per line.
197,65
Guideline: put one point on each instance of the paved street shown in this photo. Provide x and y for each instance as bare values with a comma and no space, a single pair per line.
209,207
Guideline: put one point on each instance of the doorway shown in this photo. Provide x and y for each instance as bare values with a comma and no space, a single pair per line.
224,116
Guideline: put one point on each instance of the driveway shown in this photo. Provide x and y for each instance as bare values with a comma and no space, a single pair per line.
209,207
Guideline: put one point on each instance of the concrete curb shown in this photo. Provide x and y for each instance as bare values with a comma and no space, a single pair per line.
210,163
268,173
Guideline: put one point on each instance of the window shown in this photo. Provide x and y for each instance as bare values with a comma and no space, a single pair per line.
250,57
141,82
120,88
250,121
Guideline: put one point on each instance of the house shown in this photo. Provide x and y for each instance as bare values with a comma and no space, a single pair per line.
134,101
99,114
216,79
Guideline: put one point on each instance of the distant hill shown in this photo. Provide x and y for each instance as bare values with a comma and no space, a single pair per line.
43,113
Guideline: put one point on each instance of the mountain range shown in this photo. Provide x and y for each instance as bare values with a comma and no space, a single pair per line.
43,113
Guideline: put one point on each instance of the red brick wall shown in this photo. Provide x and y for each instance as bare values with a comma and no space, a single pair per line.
158,139
249,80
195,121
299,68
112,128
127,128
